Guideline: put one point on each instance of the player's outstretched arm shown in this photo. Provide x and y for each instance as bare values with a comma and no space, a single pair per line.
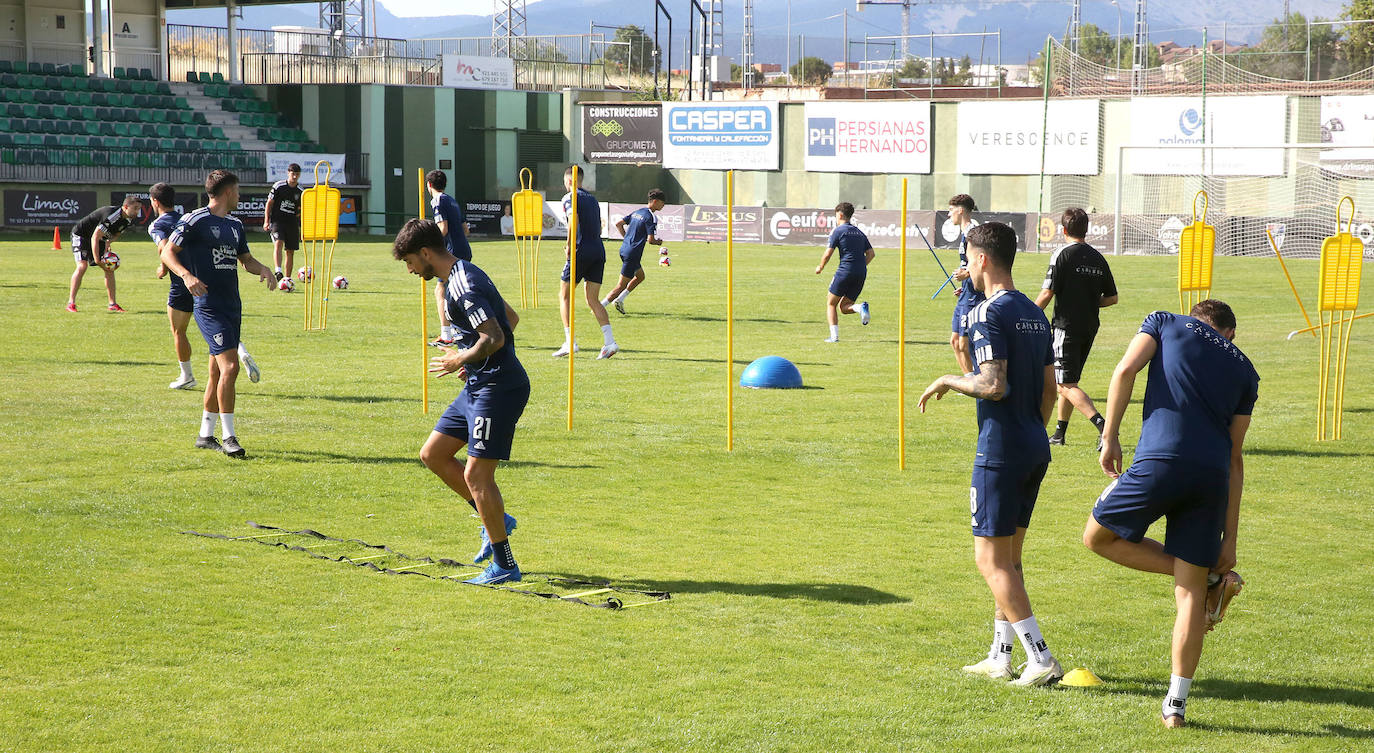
1043,299
825,258
1108,300
253,266
989,383
869,255
267,212
1049,394
620,226
1239,425
1138,354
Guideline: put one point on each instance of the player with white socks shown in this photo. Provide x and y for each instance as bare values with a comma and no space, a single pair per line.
591,264
1013,381
639,228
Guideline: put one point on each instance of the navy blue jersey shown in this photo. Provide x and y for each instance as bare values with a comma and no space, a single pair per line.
968,292
472,299
1009,327
161,228
447,210
851,243
588,223
1198,381
210,249
639,225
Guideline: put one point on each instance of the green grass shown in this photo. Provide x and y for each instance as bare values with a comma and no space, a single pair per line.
822,599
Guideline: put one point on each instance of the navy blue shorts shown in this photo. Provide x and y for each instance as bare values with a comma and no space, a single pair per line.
850,285
220,330
591,270
630,264
1192,499
486,420
178,297
1002,499
964,304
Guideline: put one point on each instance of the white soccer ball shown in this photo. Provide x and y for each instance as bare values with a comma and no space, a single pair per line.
305,274
662,250
285,285
341,282
664,261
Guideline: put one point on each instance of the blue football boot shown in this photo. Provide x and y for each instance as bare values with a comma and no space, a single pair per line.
484,553
494,575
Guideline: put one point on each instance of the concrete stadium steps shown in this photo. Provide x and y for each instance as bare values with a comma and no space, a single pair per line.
216,116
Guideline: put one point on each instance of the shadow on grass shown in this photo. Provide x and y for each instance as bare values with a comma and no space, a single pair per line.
738,361
1241,690
321,456
840,593
349,398
701,318
1330,730
1297,452
122,363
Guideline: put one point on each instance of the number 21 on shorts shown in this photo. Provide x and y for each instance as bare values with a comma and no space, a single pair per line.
481,427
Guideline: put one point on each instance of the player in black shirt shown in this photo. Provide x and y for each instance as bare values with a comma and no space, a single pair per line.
281,217
92,238
1080,282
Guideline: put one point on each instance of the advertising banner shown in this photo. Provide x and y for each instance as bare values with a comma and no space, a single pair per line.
50,208
721,136
868,137
1101,229
1004,138
350,208
1228,121
277,162
484,217
707,222
884,228
624,133
797,226
145,213
947,233
250,210
474,72
1345,121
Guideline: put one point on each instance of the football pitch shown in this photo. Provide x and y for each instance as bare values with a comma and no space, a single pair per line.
822,600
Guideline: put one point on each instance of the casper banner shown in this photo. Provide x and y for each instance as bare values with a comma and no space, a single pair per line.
1004,138
473,72
707,223
1229,121
44,207
627,133
277,162
721,135
868,137
1348,120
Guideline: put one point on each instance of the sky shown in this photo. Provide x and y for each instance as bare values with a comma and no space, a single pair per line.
414,8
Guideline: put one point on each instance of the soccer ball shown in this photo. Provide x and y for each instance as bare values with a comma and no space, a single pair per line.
664,261
341,282
110,258
285,285
305,274
662,250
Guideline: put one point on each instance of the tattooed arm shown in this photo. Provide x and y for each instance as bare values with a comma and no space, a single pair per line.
990,383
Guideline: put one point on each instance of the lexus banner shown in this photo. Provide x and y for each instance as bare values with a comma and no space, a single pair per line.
624,133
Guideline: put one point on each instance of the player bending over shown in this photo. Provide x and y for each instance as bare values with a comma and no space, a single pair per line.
448,215
1187,470
281,217
856,253
591,265
638,228
484,414
93,237
1014,384
205,250
961,209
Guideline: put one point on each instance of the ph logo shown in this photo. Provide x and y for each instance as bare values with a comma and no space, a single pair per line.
820,137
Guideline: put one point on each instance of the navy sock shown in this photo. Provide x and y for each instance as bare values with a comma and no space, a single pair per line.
1098,421
1061,427
502,554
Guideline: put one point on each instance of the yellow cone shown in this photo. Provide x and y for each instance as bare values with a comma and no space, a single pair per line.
1081,678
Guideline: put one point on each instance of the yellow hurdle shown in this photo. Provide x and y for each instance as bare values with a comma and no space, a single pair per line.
527,209
319,233
1196,245
1338,295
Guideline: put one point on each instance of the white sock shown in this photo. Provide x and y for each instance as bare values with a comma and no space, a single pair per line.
1177,699
623,295
835,331
243,352
226,425
1028,630
1002,638
567,337
278,270
207,423
185,369
605,302
606,334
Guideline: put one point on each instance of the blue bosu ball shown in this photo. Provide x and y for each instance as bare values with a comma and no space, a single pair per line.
771,372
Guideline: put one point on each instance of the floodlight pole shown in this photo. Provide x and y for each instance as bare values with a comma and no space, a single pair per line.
661,9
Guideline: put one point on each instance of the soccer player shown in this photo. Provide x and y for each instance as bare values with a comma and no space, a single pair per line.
448,215
591,264
92,237
1014,385
1080,282
281,217
1187,469
961,209
205,250
484,415
856,253
638,228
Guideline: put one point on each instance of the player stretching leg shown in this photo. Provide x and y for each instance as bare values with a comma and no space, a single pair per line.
961,209
637,228
92,237
856,253
484,414
1014,384
448,215
205,250
591,265
1187,469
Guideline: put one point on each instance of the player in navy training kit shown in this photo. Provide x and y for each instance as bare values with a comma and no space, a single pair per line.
1014,384
850,272
961,209
281,217
484,414
591,265
1187,469
638,228
205,250
92,238
448,215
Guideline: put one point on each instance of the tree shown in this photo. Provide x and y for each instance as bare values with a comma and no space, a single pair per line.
632,50
811,70
914,68
1359,38
1284,50
736,72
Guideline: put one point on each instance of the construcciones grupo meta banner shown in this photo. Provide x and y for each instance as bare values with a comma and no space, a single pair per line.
622,133
868,137
721,135
1226,121
1005,138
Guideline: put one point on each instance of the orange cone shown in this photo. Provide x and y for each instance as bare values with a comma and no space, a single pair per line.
56,239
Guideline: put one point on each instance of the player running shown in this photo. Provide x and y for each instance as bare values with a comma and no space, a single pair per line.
961,209
484,415
205,250
1187,469
1080,282
1014,385
93,237
591,265
638,228
448,215
856,253
281,217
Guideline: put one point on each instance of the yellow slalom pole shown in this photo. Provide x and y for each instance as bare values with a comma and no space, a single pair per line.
1291,286
730,311
424,318
901,343
572,287
1316,327
1349,323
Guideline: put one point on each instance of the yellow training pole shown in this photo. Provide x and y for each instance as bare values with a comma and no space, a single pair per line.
572,287
1348,324
424,318
1291,286
730,311
901,343
1316,327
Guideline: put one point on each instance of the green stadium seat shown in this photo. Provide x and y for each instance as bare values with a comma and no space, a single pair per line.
85,158
217,133
159,116
27,97
124,87
204,77
181,104
107,128
48,69
165,144
45,112
66,141
101,158
14,110
198,118
5,125
9,80
121,129
164,131
191,77
119,71
30,111
70,98
6,66
146,74
164,88
92,128
217,77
